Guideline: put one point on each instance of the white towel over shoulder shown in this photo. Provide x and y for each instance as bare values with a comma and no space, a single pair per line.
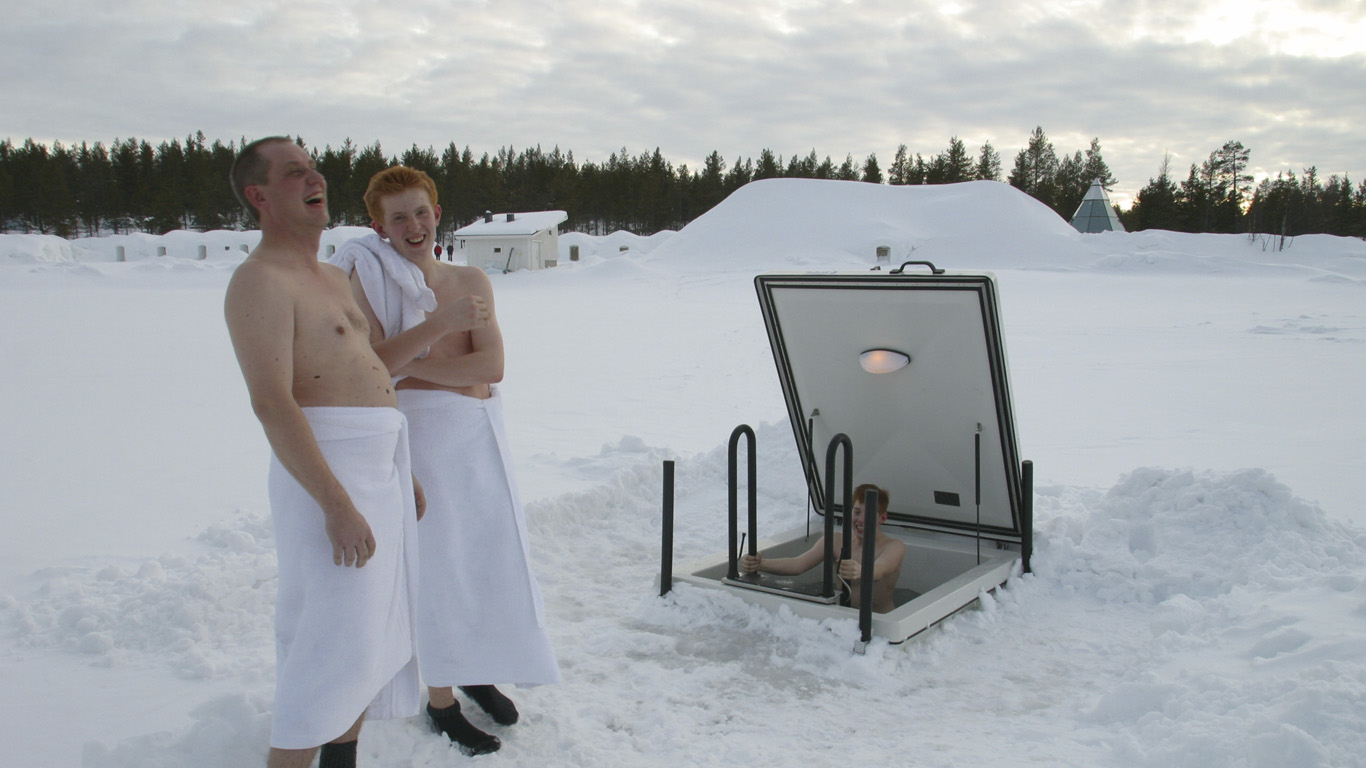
394,286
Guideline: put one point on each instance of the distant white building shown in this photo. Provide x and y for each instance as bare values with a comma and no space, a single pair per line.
1096,213
510,241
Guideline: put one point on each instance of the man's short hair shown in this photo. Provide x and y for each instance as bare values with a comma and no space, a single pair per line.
251,167
393,180
883,498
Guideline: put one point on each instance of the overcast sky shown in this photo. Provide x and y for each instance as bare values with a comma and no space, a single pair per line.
1146,77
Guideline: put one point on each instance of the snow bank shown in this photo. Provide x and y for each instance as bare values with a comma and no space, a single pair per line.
975,225
1181,619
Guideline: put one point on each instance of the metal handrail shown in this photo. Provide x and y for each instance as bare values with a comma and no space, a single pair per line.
869,556
733,555
828,572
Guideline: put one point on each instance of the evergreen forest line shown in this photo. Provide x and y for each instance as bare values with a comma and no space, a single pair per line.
131,186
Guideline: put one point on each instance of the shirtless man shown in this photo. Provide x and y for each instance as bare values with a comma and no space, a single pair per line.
481,617
888,553
313,379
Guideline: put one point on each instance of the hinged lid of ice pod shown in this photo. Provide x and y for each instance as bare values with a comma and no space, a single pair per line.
912,367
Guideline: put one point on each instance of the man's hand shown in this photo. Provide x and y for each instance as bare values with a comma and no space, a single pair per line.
750,563
352,541
851,569
419,496
463,314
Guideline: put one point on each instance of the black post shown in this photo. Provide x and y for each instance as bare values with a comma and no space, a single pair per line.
1026,513
828,570
666,566
733,479
865,587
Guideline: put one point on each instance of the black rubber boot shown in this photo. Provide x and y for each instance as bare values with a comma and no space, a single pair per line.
472,741
341,755
492,701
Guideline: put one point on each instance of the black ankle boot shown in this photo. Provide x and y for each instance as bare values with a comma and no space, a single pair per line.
341,755
472,741
492,701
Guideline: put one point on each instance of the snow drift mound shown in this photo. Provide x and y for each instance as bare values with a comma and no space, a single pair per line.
1164,533
974,225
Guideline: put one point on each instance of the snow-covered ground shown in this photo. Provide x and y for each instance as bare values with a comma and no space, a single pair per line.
1194,406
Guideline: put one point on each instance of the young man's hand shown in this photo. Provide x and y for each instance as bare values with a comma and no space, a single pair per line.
463,314
420,497
750,563
851,569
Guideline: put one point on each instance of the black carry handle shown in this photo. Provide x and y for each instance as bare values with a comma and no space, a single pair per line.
933,269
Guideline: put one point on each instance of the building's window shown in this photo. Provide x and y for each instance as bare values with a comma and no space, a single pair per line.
497,250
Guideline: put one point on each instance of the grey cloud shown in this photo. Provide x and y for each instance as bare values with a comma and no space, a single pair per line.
689,78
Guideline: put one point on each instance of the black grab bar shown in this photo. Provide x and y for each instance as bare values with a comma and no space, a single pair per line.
733,555
828,571
871,501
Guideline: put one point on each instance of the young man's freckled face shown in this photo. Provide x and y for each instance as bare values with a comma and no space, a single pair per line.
410,221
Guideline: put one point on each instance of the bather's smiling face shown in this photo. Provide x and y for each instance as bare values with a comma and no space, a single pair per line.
856,519
294,192
409,223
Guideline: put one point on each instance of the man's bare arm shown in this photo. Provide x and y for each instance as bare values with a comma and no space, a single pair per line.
260,317
787,566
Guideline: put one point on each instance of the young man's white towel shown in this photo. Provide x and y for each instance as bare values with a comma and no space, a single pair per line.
481,619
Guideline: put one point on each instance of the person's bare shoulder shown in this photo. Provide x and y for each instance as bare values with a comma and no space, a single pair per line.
254,280
336,274
466,280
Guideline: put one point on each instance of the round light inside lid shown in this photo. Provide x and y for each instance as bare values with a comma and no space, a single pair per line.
883,360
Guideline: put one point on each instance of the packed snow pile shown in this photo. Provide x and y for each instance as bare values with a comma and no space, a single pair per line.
975,225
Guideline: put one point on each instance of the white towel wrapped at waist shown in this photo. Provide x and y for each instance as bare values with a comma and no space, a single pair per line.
345,640
480,619
394,286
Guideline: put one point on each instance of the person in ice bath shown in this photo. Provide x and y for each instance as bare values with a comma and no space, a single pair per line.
888,552
481,620
340,487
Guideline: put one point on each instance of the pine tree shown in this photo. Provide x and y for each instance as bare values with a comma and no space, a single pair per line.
1155,206
871,172
1095,168
847,170
900,171
1070,185
988,164
1036,169
767,167
952,166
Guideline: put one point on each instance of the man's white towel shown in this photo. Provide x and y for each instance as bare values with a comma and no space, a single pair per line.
345,640
394,286
481,619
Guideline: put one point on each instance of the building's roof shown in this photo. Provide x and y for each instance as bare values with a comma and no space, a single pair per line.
522,224
1096,213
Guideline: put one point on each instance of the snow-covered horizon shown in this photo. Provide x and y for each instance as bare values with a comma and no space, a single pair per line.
1192,404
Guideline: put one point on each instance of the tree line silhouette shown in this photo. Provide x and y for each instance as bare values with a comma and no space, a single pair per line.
131,186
